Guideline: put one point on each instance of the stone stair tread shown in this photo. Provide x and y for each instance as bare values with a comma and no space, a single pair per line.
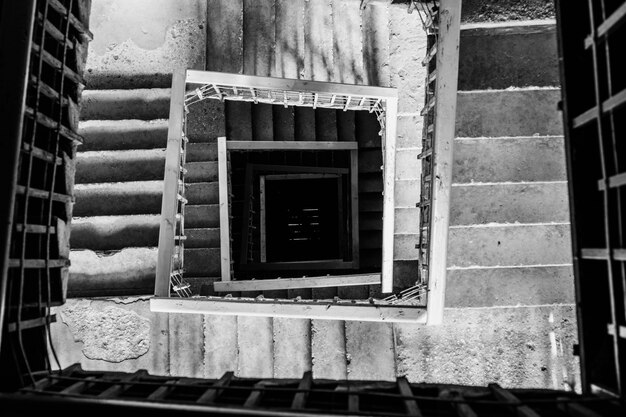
202,193
509,203
201,172
220,345
109,135
510,112
120,165
201,152
115,232
129,271
504,159
202,215
370,351
143,104
328,349
530,58
200,262
255,342
116,198
292,347
509,245
537,285
202,238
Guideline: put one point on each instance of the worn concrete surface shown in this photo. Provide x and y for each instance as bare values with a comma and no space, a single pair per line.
370,351
186,345
116,198
292,347
489,287
506,10
504,55
142,104
115,232
110,135
511,112
220,345
509,159
105,334
129,270
515,347
509,203
502,245
118,166
137,44
255,345
328,349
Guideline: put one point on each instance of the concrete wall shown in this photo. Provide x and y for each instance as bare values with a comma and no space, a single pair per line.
140,42
493,341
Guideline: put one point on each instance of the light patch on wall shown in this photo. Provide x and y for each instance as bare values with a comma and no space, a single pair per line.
110,334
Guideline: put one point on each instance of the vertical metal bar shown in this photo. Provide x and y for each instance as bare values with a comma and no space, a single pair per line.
410,406
17,25
299,400
619,272
54,166
605,194
354,206
263,214
443,157
389,181
27,187
222,161
169,203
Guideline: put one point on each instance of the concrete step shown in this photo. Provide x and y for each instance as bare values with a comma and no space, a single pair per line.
328,349
497,287
202,238
370,351
117,135
201,152
479,345
105,233
255,343
512,112
404,246
138,165
202,216
126,272
509,245
118,198
202,262
202,193
119,166
221,353
186,345
142,104
201,172
292,347
509,159
509,203
505,54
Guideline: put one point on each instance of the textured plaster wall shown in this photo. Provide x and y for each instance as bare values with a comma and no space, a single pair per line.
141,42
112,334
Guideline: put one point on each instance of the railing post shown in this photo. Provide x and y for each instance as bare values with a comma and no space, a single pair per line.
389,180
443,157
169,203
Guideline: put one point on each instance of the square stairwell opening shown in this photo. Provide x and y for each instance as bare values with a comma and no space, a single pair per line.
297,215
294,212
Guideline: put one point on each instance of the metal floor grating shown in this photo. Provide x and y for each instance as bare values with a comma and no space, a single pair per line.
327,397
